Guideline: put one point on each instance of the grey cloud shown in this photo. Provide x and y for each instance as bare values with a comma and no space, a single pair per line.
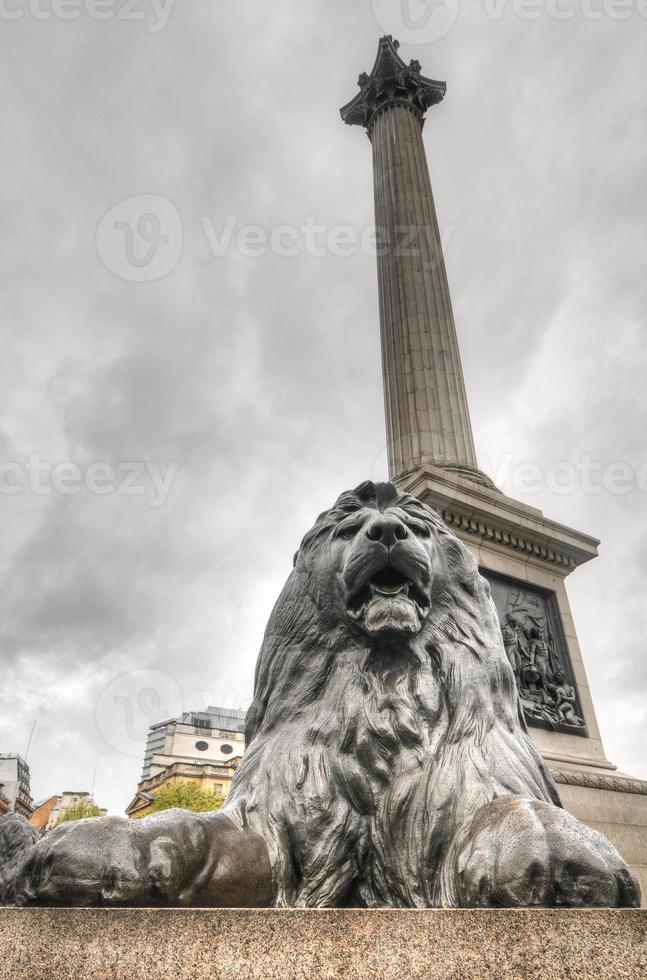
261,377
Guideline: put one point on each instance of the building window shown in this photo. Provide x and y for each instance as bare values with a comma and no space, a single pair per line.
226,749
202,746
201,722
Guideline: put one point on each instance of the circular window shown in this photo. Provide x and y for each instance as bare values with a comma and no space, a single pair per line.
226,749
202,746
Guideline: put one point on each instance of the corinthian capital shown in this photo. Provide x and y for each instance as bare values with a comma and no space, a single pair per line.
391,82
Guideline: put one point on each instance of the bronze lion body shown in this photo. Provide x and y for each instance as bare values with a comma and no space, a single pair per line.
387,760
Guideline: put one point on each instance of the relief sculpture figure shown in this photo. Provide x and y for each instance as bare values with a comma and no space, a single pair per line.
565,700
510,631
538,662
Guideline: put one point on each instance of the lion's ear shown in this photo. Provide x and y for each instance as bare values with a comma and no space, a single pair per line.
387,495
365,492
381,494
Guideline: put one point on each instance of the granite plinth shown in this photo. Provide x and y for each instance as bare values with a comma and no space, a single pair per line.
295,944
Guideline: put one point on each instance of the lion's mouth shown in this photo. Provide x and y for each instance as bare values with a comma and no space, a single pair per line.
387,583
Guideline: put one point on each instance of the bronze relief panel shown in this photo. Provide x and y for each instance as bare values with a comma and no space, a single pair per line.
536,646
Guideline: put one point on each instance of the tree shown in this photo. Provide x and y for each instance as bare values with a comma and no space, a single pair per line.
185,796
83,810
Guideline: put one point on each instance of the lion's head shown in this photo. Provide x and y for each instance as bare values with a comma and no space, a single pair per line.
378,571
378,562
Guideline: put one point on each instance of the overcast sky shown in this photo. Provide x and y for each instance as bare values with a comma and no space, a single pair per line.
249,384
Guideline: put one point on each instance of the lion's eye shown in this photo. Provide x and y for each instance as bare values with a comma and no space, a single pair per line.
347,531
419,528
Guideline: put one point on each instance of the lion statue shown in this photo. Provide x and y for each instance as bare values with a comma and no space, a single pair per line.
387,763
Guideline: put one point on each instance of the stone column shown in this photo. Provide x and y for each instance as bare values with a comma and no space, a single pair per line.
427,415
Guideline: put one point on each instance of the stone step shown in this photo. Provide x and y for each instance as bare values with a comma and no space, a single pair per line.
390,944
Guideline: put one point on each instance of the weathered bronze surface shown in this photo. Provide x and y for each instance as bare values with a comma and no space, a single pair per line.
387,760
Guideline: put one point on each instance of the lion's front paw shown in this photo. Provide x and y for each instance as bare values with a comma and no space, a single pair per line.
91,862
524,852
112,861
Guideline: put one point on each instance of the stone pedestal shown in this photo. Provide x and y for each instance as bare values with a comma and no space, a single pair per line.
52,944
515,543
614,804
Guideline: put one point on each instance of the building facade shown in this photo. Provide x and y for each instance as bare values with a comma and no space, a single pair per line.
14,776
199,746
50,812
40,818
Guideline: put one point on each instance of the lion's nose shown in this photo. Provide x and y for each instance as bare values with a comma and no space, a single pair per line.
387,530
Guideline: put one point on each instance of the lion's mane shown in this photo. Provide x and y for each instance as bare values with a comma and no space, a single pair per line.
364,769
17,837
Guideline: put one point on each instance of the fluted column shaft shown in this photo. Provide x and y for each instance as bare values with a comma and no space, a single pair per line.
427,415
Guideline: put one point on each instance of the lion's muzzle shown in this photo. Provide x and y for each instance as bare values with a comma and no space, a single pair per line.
387,577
